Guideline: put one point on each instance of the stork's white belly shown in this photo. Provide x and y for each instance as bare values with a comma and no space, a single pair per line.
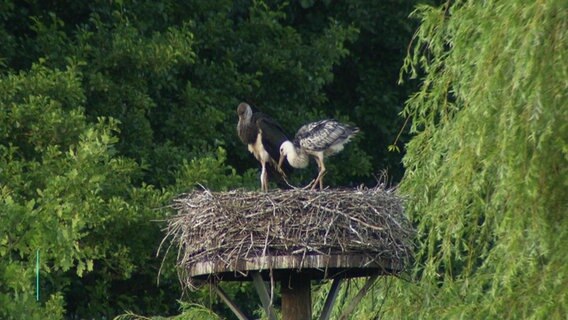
257,149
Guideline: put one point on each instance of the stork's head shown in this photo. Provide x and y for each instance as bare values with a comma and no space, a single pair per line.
287,149
244,111
296,157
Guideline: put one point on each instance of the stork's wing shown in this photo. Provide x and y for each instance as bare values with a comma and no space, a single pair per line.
306,129
272,137
320,135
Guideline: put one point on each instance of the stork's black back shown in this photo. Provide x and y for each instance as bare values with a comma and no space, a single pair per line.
273,135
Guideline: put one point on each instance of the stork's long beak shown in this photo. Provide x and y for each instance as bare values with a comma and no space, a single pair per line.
280,161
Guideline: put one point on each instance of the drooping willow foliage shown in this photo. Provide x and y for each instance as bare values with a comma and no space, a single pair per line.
487,169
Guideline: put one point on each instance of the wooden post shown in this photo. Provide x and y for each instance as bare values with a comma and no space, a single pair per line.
331,295
296,298
351,307
263,295
240,315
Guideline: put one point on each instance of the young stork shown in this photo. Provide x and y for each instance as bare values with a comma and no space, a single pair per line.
263,136
317,139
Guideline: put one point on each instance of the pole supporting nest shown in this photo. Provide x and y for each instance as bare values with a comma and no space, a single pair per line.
351,307
330,300
225,298
296,297
265,298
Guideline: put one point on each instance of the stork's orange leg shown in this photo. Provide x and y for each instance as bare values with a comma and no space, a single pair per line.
263,179
321,173
309,185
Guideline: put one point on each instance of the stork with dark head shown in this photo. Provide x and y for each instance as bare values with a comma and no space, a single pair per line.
263,136
319,139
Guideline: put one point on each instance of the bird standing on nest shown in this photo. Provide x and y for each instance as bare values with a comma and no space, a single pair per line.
263,136
317,139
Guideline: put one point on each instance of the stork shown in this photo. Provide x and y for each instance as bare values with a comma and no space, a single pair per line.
263,136
319,139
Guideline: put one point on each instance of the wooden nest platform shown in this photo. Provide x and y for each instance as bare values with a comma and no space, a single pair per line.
318,234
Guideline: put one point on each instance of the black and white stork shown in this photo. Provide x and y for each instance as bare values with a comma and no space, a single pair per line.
317,139
263,136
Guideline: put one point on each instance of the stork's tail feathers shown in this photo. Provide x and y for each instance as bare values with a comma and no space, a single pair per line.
350,131
353,129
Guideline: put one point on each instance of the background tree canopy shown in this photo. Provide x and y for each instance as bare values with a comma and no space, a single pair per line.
110,108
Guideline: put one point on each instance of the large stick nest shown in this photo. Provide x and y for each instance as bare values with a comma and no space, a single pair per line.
225,227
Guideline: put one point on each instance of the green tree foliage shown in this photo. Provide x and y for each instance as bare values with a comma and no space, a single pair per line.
66,192
61,187
110,108
487,171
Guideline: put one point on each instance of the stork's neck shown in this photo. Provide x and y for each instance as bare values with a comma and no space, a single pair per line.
296,157
248,113
245,129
